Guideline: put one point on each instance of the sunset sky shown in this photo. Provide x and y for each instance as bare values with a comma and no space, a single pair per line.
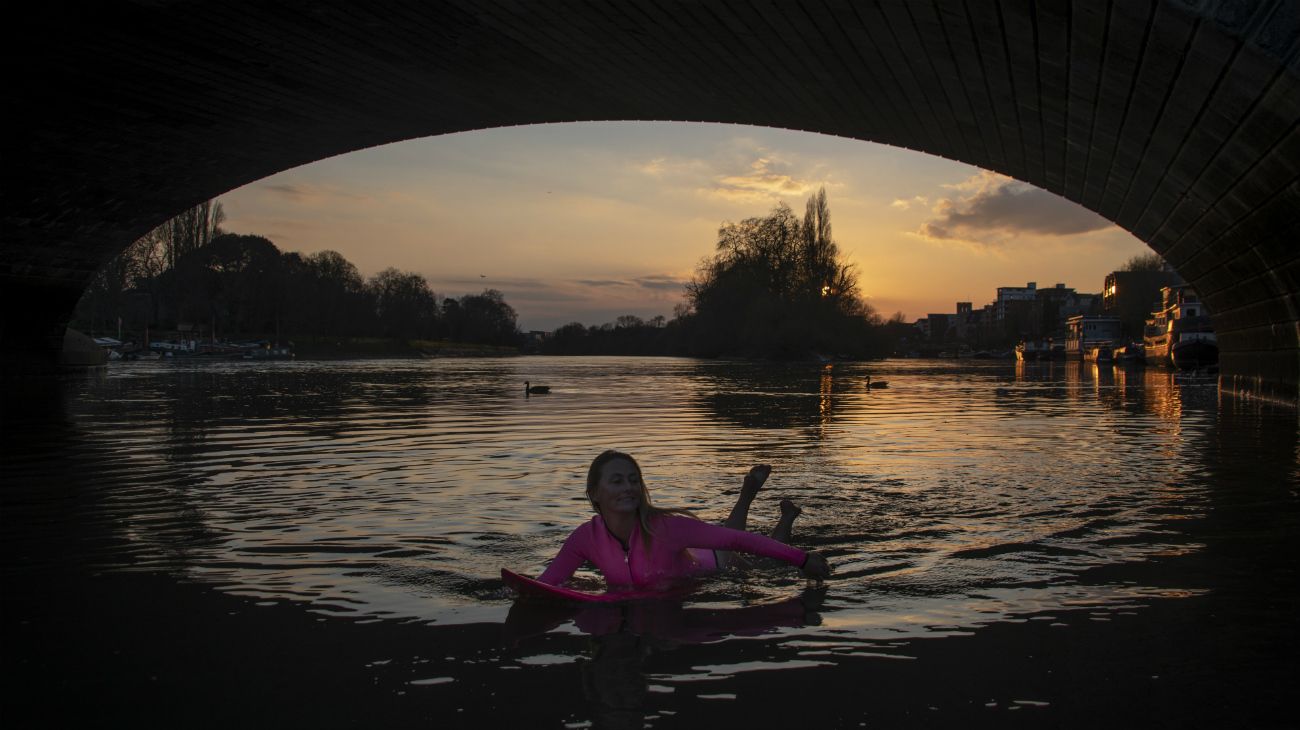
586,222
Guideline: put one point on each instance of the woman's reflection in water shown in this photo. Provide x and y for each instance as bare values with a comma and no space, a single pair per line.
624,636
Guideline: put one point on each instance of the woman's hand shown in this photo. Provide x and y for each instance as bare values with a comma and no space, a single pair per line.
815,566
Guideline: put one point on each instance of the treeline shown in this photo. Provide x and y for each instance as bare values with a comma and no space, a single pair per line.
776,287
628,335
193,276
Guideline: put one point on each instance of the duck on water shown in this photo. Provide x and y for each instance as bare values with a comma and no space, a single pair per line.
536,389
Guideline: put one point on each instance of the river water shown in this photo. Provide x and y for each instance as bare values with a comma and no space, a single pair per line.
320,543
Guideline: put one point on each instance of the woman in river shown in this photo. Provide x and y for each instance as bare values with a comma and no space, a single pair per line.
637,545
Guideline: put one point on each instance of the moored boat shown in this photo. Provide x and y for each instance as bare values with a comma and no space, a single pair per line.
1085,333
1130,354
1099,354
1032,350
1194,350
269,353
1180,325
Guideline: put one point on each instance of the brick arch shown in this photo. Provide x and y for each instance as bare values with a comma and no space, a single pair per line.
1176,119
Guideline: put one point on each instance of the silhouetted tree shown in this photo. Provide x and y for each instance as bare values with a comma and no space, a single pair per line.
776,287
483,318
404,304
235,284
1144,262
627,335
332,298
189,231
569,339
141,265
109,291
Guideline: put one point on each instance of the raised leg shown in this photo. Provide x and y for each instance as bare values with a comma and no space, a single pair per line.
739,517
785,525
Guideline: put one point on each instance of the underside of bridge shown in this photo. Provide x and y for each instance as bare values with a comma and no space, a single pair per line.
1176,119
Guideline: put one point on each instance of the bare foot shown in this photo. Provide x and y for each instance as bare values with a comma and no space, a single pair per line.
790,509
754,479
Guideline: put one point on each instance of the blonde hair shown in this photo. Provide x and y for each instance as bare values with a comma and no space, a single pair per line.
645,510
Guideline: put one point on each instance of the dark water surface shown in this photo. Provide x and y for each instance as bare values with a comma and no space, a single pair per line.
294,544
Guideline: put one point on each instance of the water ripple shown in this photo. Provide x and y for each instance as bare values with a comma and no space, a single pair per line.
397,489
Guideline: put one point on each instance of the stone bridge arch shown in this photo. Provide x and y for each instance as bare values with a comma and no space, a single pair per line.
1176,119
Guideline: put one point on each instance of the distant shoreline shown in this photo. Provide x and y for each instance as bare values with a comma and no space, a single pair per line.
354,348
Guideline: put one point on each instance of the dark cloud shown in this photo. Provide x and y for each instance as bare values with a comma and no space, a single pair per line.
313,194
997,207
660,282
601,282
491,282
287,190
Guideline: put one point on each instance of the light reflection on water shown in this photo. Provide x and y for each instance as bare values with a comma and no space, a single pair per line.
400,488
964,494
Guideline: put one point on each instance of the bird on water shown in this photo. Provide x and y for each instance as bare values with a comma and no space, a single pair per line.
536,389
876,385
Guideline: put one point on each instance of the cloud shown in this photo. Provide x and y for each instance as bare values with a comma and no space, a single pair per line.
654,282
905,203
661,282
674,168
476,284
641,289
991,209
547,304
739,171
766,180
654,168
312,194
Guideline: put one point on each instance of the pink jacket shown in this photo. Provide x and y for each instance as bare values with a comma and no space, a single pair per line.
671,555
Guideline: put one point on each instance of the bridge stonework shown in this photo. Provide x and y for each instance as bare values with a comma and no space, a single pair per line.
1176,119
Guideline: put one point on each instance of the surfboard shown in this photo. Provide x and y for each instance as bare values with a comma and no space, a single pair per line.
527,587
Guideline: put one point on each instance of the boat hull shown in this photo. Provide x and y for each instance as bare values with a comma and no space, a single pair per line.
1193,354
1129,356
1099,354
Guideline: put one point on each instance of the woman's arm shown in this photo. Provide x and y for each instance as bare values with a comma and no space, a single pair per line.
569,559
691,533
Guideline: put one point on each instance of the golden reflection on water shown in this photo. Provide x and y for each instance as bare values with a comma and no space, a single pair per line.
825,401
969,500
399,489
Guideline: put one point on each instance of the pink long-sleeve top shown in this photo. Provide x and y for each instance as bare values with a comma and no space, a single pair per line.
679,547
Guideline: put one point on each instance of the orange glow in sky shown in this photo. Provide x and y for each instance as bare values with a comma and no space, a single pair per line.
586,222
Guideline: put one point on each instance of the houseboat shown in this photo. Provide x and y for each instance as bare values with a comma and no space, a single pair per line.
1179,333
1085,332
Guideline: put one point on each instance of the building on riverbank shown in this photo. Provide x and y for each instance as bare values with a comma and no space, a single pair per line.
1131,296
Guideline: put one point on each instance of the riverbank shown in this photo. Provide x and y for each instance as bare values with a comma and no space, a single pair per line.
350,348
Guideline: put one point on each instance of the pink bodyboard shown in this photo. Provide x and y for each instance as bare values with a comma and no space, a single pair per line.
529,588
